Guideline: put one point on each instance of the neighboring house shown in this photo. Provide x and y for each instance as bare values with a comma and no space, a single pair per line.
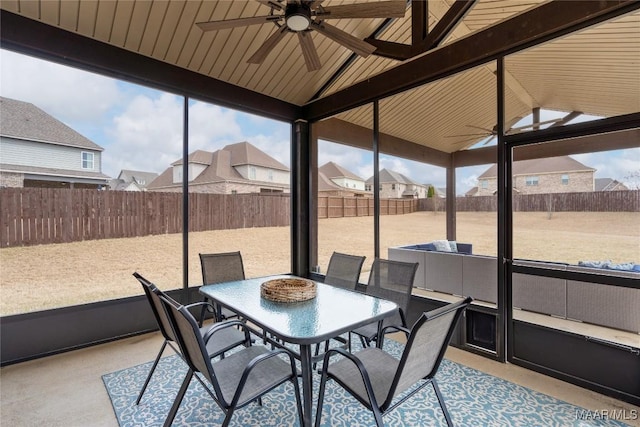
129,180
609,184
561,174
236,168
37,150
334,180
394,185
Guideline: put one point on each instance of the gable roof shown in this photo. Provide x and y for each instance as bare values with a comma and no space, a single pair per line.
606,184
23,120
132,175
389,176
243,153
334,170
541,166
220,165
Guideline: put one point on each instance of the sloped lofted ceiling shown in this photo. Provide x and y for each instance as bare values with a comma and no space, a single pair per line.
594,71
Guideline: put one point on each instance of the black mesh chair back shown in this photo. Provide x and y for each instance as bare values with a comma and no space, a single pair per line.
344,270
221,267
426,346
377,379
152,291
393,281
237,380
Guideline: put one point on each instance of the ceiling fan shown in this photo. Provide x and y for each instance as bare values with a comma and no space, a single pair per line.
303,16
487,134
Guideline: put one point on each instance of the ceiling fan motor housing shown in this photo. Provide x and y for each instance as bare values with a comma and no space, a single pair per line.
298,16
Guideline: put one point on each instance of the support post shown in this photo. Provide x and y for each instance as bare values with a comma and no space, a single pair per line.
300,198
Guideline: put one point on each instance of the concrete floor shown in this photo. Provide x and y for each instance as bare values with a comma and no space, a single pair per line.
66,390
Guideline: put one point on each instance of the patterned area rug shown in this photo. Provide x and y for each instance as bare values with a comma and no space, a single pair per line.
472,397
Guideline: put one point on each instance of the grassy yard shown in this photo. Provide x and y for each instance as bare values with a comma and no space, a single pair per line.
49,276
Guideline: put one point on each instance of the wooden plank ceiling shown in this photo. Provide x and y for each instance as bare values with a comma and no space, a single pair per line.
594,71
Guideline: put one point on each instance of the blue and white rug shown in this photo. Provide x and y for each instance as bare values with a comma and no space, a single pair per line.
472,397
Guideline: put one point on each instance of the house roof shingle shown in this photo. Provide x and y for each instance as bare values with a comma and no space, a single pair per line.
387,175
220,164
24,121
334,170
541,166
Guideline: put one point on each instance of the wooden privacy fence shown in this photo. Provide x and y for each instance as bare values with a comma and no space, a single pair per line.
600,201
32,216
337,207
36,216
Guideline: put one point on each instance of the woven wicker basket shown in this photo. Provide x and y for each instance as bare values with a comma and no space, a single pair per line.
288,290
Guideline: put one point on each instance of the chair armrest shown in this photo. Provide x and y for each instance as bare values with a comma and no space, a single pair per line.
363,371
256,361
206,306
395,328
223,325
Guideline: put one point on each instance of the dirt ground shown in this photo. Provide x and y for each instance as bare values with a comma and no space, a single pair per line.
82,272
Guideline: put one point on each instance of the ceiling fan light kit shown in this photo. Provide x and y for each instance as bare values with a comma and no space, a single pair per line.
298,16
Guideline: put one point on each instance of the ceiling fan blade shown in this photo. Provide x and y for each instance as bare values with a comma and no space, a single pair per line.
268,45
309,51
360,47
382,9
274,4
490,131
238,22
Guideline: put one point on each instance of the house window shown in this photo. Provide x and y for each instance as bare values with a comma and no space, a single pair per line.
531,181
270,175
367,188
252,173
234,191
87,160
393,186
565,179
484,184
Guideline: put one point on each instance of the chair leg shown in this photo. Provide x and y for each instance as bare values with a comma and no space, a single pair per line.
442,404
153,368
323,383
377,416
176,403
296,389
227,417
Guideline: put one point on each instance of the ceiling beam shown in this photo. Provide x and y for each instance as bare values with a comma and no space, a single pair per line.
34,38
619,140
391,50
342,132
419,21
444,27
538,25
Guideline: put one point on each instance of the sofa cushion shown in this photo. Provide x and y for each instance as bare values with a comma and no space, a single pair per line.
453,245
442,245
595,264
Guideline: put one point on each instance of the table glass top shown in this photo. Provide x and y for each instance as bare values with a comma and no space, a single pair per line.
332,312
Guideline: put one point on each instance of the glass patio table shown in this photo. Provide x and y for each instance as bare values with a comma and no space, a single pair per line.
332,312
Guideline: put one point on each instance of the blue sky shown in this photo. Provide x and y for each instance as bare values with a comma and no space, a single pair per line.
141,128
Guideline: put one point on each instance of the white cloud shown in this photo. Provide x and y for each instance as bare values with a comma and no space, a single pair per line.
68,94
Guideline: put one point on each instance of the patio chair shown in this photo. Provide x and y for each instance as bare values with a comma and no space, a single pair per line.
393,281
225,341
376,378
235,381
343,272
218,268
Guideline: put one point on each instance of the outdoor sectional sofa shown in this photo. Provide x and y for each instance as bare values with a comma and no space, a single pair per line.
464,274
